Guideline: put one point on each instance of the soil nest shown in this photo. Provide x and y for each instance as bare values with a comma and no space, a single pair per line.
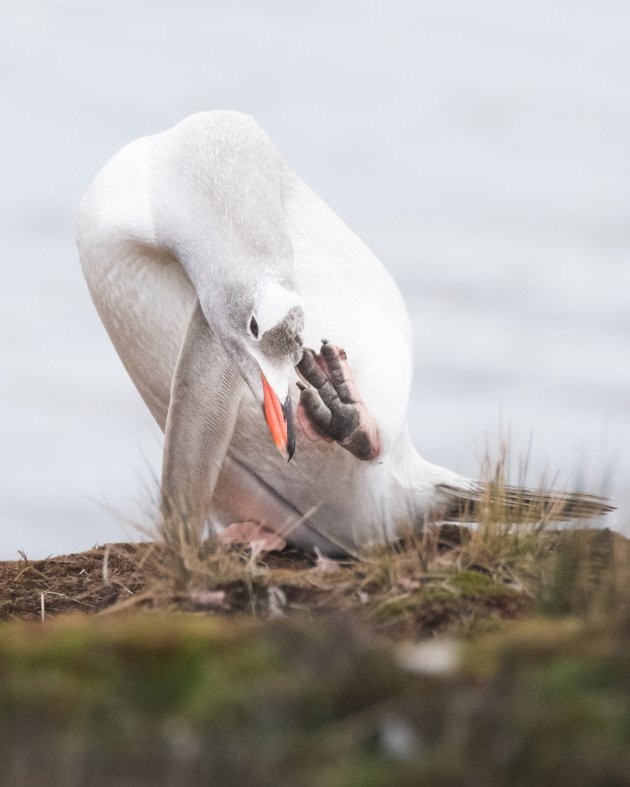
391,592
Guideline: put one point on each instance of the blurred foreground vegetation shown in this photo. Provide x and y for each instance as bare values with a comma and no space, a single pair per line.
475,665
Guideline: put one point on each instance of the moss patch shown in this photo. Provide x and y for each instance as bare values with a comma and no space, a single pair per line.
466,603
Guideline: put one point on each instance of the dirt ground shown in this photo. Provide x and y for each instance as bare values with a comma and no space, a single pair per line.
86,582
99,579
395,599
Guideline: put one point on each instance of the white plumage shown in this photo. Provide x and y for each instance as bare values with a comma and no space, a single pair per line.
148,248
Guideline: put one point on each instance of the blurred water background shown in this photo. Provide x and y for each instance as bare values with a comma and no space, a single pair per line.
481,149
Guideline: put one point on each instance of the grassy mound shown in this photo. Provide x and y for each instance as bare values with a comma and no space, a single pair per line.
155,699
294,669
492,656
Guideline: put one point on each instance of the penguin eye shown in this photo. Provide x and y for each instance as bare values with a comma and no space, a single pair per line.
253,327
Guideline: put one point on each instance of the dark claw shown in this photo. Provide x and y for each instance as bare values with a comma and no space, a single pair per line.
310,370
318,413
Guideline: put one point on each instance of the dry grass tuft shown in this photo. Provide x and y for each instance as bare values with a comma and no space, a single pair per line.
447,578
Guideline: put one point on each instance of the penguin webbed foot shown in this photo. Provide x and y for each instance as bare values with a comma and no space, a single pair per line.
331,407
253,536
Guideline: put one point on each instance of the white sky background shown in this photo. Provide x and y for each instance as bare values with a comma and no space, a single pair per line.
481,149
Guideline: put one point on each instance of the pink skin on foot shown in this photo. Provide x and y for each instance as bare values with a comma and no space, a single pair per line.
252,535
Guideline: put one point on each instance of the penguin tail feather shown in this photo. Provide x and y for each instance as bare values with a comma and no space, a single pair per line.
497,502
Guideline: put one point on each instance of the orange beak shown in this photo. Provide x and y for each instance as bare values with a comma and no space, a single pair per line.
279,419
